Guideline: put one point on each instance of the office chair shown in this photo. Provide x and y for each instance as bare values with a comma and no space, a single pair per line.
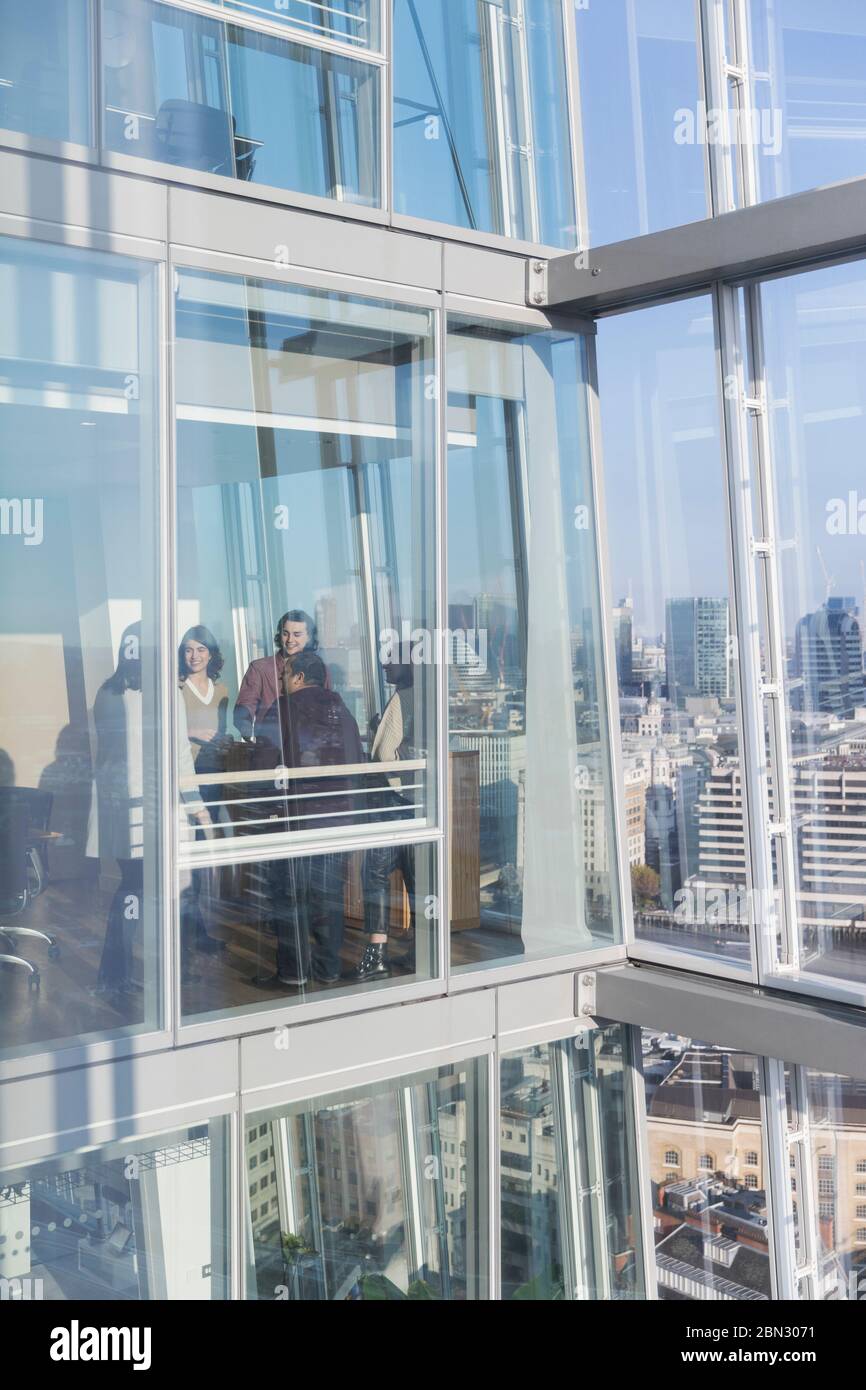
17,869
195,136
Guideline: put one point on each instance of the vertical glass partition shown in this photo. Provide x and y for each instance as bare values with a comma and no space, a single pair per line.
674,629
533,856
814,347
80,739
308,647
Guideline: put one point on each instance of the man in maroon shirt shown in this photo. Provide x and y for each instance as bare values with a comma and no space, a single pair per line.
263,683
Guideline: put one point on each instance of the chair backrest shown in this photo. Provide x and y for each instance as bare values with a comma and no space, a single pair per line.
196,136
38,804
13,848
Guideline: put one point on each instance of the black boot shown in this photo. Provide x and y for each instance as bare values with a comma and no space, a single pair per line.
374,962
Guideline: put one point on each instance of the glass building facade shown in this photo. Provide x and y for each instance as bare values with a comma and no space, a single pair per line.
434,588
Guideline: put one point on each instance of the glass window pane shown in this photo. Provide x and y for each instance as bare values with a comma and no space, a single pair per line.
45,69
837,1133
808,93
533,870
669,559
815,349
80,743
203,94
706,1156
645,152
306,431
356,22
140,1219
284,931
570,1224
481,129
376,1194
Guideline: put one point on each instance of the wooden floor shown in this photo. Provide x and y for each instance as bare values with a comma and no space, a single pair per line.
68,1006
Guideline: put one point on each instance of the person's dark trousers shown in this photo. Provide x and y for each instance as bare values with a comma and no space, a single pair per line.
288,890
326,914
124,917
379,865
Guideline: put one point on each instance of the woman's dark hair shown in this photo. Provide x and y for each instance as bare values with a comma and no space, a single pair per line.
127,675
204,636
297,615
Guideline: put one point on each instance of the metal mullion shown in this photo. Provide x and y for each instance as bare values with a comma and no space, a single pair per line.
705,57
721,174
744,106
238,1227
497,124
386,108
274,29
810,1234
574,1248
591,1164
522,30
441,696
413,1214
580,200
494,1165
169,638
774,691
777,1180
642,1177
616,821
746,626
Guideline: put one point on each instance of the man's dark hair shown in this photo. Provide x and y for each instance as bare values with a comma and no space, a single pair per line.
297,615
311,667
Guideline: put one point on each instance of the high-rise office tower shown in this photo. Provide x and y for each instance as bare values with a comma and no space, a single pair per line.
828,659
697,648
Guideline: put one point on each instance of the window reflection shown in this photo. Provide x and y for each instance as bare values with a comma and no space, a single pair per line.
285,930
45,87
827,1114
645,153
79,746
187,90
481,129
673,629
815,348
142,1219
706,1156
354,22
808,91
569,1220
374,1195
532,852
308,650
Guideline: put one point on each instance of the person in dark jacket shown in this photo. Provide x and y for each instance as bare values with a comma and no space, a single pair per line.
309,726
261,686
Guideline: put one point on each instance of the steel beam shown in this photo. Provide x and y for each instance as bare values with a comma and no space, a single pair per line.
823,1036
772,236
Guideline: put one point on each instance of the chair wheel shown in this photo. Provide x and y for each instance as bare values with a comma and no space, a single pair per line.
54,951
35,980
